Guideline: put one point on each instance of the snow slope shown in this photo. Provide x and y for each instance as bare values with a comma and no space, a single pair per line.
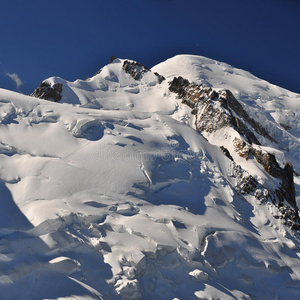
113,194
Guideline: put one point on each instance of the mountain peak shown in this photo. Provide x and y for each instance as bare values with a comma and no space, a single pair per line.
184,184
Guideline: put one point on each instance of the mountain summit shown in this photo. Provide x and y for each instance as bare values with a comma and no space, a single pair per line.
175,182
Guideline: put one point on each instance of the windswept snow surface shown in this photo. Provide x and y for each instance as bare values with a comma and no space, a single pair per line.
112,193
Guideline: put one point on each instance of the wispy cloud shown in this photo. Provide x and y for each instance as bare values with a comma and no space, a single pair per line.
15,77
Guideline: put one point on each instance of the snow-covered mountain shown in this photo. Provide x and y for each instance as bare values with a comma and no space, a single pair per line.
179,182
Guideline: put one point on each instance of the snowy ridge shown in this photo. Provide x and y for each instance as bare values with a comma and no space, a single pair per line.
277,109
113,193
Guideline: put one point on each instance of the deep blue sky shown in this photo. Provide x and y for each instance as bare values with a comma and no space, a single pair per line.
73,39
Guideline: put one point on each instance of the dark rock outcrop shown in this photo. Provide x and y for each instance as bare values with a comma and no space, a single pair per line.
246,183
160,78
268,161
136,70
286,191
112,59
233,104
215,110
45,91
179,86
226,152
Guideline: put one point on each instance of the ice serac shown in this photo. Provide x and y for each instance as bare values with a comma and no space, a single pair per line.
145,186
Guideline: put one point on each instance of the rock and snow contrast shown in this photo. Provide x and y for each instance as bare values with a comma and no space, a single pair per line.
179,182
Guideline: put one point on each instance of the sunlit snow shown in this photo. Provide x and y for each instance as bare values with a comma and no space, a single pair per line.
112,193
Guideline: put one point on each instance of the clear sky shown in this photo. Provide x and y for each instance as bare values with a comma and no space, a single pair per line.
75,38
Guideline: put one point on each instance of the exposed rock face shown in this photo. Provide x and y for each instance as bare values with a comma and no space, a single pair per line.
226,152
178,85
215,110
160,78
45,91
233,104
288,210
287,190
112,59
136,70
268,161
246,183
270,165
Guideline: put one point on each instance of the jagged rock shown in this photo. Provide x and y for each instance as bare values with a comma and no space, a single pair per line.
211,118
112,59
263,195
288,173
226,152
287,191
134,69
219,112
160,78
243,129
178,85
215,110
268,161
242,148
214,96
233,104
246,183
45,91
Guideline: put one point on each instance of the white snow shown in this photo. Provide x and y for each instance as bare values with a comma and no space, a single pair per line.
113,194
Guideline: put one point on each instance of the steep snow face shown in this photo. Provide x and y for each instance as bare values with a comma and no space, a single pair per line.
113,194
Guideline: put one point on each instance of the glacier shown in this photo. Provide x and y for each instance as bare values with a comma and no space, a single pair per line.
110,190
